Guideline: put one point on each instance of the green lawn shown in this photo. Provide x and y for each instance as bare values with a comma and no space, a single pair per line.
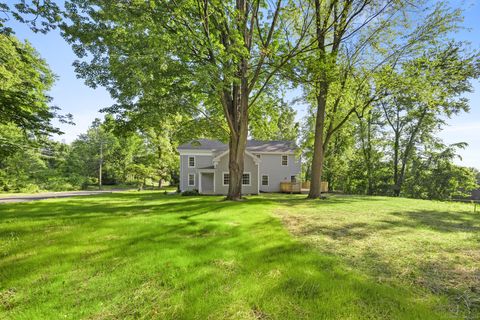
149,255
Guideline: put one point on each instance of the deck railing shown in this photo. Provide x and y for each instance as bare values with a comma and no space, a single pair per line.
296,187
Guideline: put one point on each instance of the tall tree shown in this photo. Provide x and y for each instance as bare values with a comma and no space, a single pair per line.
371,147
225,51
353,40
427,89
25,79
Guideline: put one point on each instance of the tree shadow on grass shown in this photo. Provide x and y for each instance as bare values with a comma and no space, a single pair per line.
95,208
441,221
172,257
330,200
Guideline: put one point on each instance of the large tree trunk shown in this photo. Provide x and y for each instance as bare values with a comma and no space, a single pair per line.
318,152
237,115
396,151
100,167
399,175
323,85
368,154
237,147
234,99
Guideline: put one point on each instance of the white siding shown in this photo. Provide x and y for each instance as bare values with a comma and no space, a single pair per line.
271,165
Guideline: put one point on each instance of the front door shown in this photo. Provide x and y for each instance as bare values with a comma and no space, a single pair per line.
207,183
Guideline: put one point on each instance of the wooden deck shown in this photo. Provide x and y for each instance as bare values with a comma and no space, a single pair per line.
300,187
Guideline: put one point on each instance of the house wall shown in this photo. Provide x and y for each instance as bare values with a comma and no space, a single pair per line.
249,166
271,165
201,161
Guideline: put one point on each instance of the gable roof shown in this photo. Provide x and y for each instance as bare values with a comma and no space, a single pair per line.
203,144
271,146
218,155
252,145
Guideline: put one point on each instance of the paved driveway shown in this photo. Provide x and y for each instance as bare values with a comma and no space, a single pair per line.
48,195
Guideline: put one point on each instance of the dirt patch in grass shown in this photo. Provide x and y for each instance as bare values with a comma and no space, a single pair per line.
7,299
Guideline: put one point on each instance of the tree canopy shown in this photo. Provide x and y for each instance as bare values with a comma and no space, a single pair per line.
379,79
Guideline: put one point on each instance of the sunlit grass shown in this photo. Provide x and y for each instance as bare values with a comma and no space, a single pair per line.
155,256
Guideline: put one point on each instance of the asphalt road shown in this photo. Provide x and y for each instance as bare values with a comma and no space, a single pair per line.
49,195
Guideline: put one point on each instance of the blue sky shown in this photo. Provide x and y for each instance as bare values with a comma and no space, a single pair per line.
74,97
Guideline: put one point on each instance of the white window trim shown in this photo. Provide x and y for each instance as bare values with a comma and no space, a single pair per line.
249,179
194,161
258,180
284,155
191,185
268,181
223,179
245,185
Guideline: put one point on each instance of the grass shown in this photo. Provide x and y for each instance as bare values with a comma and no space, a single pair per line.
428,245
154,256
107,187
131,186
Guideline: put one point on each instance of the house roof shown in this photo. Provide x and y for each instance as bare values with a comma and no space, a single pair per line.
203,144
252,145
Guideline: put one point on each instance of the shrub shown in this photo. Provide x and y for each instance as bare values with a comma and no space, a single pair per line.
58,184
29,188
190,193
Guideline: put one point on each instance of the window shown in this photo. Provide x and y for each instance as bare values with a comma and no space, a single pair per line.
284,160
293,179
226,179
191,162
264,180
191,179
258,156
246,179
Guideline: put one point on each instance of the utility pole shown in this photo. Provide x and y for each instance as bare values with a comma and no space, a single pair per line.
100,166
100,162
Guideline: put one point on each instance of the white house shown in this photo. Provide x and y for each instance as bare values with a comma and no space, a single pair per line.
204,166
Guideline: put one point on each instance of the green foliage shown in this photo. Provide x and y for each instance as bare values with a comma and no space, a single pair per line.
32,167
127,157
393,140
437,177
140,173
24,82
124,155
273,119
29,161
211,60
39,16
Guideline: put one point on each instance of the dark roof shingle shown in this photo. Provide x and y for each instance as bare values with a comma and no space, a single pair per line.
252,145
